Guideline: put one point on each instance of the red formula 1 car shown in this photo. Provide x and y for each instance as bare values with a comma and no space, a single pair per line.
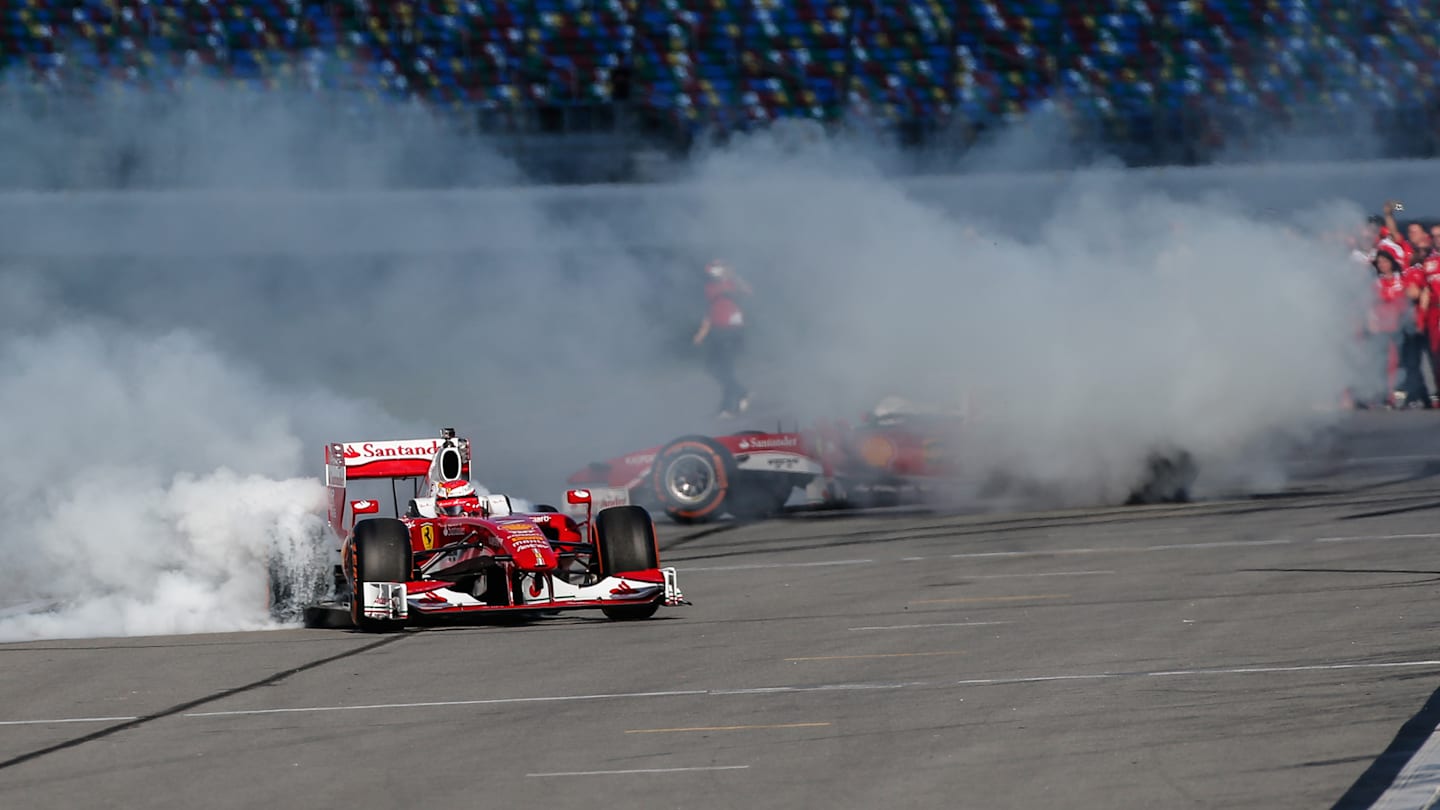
455,552
893,455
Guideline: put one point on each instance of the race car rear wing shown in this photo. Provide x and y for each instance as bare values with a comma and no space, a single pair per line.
446,458
399,458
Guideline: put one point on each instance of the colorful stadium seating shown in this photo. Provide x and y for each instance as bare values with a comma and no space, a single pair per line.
736,63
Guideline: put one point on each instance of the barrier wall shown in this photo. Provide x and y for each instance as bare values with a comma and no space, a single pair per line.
178,223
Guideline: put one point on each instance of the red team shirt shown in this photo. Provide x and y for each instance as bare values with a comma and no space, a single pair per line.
1390,302
724,312
1430,319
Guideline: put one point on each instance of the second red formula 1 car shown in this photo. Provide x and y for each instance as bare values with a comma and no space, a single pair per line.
894,454
452,551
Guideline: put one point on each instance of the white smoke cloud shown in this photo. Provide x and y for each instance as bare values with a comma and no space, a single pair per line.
1126,320
153,484
180,358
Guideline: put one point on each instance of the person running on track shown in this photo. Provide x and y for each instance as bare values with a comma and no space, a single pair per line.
722,333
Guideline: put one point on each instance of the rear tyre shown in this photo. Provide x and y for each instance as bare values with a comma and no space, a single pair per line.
380,552
761,497
1169,475
625,541
691,479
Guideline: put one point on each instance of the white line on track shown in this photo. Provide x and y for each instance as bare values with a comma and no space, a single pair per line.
833,687
1120,549
644,770
1363,538
916,626
67,720
1196,672
435,703
1040,574
830,687
753,566
1060,552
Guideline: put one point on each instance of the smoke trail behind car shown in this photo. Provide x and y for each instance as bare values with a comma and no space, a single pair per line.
264,277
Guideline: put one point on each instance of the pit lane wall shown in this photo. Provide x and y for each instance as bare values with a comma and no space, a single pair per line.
158,223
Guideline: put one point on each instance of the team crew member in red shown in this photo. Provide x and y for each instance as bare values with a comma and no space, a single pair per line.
1413,344
1429,306
1392,235
723,328
1383,327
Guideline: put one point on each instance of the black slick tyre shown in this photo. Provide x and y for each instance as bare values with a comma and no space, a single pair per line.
691,478
1168,479
625,541
380,552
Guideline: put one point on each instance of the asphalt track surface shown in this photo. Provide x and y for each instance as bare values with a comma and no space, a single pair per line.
1269,652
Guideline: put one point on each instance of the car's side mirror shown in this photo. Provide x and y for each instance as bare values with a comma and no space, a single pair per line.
365,507
577,496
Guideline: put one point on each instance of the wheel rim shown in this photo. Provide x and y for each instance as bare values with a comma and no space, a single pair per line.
689,479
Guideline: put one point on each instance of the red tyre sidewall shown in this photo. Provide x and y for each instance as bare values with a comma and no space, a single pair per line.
719,459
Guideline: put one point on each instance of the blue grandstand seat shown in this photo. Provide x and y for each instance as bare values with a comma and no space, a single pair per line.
726,62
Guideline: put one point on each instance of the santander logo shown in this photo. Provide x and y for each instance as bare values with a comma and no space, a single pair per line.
377,450
768,444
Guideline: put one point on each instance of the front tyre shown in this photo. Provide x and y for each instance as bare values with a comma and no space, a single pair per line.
379,552
625,541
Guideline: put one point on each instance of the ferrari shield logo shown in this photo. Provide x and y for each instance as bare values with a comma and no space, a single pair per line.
427,535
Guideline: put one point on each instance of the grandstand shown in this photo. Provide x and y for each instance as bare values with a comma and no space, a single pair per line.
1159,80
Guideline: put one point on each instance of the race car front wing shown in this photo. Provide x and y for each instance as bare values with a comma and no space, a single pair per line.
537,591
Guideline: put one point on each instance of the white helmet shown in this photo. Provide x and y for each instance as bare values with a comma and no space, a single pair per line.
455,498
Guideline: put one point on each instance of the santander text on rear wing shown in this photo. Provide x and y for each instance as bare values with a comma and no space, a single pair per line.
392,459
397,458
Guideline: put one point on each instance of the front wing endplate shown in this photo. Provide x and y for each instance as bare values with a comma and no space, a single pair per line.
386,601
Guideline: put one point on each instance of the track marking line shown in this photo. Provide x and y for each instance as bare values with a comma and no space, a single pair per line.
643,770
967,600
1041,574
724,728
1171,673
758,566
1119,549
67,720
1059,552
917,626
1361,539
441,703
877,655
833,687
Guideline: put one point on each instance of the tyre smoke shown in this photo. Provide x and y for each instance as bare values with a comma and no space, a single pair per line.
200,292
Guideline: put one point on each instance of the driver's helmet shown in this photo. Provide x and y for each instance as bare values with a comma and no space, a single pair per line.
456,498
891,407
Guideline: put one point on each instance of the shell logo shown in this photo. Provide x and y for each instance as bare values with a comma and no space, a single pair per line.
877,451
